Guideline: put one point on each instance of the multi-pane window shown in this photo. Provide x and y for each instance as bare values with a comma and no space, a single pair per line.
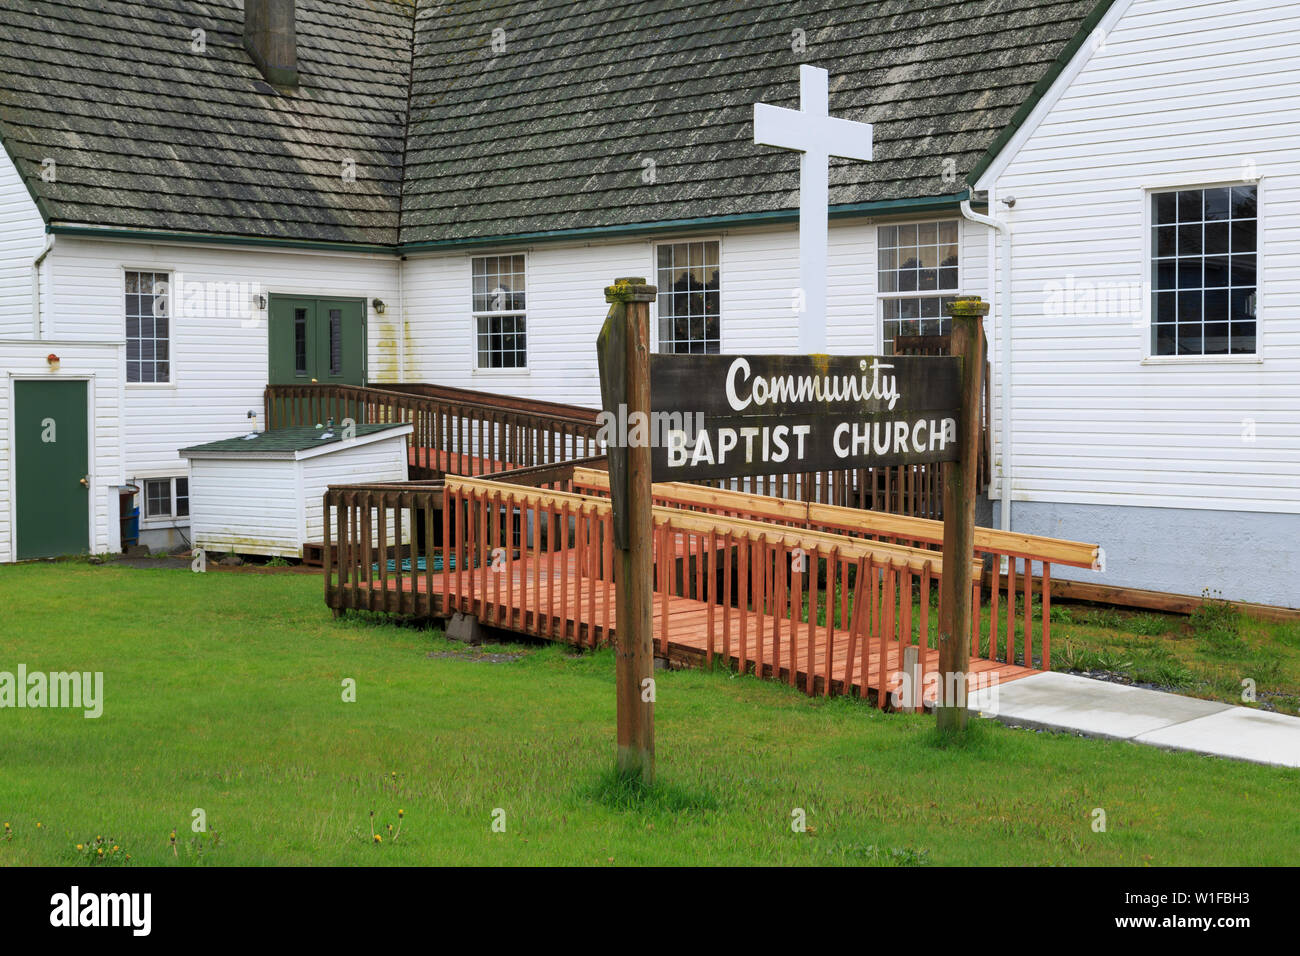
166,497
1204,248
498,304
916,264
148,335
689,300
158,498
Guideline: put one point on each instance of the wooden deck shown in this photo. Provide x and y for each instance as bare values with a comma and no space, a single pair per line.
559,604
453,463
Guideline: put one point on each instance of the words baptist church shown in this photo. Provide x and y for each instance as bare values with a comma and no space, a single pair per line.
383,192
798,414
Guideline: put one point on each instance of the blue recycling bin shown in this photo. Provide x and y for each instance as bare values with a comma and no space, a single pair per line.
130,528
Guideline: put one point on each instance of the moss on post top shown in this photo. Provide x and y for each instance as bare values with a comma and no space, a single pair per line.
630,290
967,306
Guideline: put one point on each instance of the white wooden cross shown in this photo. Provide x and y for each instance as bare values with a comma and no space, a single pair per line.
817,136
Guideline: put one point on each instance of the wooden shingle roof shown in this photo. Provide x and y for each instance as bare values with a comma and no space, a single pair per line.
553,132
146,133
524,116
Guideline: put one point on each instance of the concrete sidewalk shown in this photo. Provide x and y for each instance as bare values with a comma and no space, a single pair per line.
1051,701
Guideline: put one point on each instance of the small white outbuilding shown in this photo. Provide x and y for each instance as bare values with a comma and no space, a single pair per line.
261,493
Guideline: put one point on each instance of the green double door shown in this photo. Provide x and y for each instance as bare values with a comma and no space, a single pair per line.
317,340
51,469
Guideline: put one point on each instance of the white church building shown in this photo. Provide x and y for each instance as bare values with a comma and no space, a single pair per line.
383,191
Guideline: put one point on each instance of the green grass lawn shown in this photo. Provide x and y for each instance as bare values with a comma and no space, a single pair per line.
1209,654
223,691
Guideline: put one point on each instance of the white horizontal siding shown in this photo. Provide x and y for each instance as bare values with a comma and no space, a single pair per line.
566,303
377,461
1179,94
22,236
219,361
566,306
99,364
271,506
245,506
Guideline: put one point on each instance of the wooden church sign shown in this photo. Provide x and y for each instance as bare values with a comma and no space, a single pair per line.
728,416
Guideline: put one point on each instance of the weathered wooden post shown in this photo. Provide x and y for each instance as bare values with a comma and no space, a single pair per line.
624,353
960,479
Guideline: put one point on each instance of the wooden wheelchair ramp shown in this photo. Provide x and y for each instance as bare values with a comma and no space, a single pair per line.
830,613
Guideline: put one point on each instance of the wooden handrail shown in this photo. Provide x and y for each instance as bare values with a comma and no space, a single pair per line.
492,399
451,434
855,520
894,554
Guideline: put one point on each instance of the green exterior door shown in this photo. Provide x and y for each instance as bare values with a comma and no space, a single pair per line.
317,340
52,466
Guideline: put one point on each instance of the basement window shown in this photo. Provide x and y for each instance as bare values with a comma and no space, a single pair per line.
1204,247
148,331
166,498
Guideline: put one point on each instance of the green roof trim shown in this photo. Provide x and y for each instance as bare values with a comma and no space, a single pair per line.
1039,90
883,207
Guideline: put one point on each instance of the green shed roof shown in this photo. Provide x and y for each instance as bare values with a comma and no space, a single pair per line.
285,442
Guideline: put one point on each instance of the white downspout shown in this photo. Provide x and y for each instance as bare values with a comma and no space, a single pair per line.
1002,315
36,285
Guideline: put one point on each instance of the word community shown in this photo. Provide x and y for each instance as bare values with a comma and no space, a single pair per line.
74,909
744,387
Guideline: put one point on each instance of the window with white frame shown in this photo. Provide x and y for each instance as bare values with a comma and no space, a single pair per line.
690,314
148,332
1204,244
166,498
916,266
498,304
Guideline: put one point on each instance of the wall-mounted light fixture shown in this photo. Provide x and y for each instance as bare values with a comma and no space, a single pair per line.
378,305
259,301
53,361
